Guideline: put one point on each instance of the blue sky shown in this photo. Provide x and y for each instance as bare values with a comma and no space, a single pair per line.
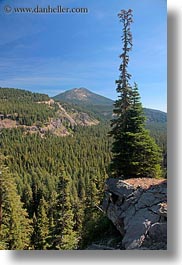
50,53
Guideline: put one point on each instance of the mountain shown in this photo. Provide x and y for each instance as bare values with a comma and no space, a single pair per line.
37,113
83,96
156,121
99,105
102,106
155,115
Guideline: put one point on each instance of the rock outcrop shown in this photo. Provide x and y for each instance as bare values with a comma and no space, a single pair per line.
138,209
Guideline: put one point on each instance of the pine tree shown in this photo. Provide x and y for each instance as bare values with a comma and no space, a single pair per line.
64,236
92,214
135,153
15,227
41,227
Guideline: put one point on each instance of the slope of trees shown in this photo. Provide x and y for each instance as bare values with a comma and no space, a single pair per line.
135,153
40,185
64,235
61,204
22,106
15,227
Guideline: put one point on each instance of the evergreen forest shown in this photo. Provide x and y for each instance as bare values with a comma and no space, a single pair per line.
50,183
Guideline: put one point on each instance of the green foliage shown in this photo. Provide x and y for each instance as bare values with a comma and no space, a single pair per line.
15,226
9,94
64,236
36,163
25,107
138,156
41,227
135,153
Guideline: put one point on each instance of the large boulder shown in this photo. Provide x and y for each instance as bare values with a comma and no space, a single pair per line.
138,209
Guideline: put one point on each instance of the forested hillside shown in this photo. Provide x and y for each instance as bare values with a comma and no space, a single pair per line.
40,165
38,113
102,107
51,186
21,105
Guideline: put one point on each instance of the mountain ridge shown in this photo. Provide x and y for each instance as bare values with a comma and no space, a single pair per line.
37,113
85,107
71,94
102,106
83,95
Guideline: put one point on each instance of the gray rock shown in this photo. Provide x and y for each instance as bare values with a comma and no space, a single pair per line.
139,214
158,232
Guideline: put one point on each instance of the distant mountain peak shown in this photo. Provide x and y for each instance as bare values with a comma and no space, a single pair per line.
81,89
83,96
79,93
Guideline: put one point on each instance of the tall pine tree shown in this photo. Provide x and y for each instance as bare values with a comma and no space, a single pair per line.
63,236
135,153
41,227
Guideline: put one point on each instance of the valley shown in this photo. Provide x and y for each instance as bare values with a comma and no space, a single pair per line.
45,143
